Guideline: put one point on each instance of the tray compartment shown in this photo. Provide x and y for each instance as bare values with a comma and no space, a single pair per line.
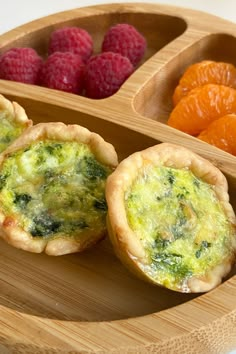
158,30
78,277
155,103
98,269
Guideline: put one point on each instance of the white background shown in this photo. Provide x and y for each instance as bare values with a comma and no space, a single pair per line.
17,12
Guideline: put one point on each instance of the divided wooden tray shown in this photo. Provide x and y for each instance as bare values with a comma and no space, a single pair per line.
89,303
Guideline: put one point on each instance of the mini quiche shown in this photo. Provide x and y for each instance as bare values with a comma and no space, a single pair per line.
13,121
170,220
52,189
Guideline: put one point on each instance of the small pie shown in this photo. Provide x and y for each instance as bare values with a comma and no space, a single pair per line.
13,121
52,189
170,220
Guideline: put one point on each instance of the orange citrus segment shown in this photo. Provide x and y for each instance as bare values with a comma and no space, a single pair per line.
202,73
222,133
202,106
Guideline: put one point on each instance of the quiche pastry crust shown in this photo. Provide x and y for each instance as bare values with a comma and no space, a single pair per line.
10,228
127,245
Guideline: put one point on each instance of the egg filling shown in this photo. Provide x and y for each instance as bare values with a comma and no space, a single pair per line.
54,188
9,130
180,222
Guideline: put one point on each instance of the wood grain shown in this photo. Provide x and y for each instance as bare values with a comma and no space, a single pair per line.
89,303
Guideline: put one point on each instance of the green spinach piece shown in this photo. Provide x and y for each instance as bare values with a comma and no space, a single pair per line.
91,168
204,245
100,204
44,225
171,263
21,200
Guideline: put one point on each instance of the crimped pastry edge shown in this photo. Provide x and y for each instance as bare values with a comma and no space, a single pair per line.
104,152
127,247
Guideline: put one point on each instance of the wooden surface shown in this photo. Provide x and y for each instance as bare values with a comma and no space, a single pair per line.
89,303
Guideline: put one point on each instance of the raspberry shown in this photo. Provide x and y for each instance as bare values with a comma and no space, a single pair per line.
20,64
63,71
105,73
126,40
71,39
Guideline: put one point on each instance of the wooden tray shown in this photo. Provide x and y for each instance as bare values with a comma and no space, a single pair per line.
89,303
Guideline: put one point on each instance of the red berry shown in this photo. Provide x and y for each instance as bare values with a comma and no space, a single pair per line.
71,39
105,73
126,40
63,71
20,64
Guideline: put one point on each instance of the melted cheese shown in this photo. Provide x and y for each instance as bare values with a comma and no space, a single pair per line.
54,188
180,223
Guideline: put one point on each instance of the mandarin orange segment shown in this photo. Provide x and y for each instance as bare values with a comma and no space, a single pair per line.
202,73
222,133
202,106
